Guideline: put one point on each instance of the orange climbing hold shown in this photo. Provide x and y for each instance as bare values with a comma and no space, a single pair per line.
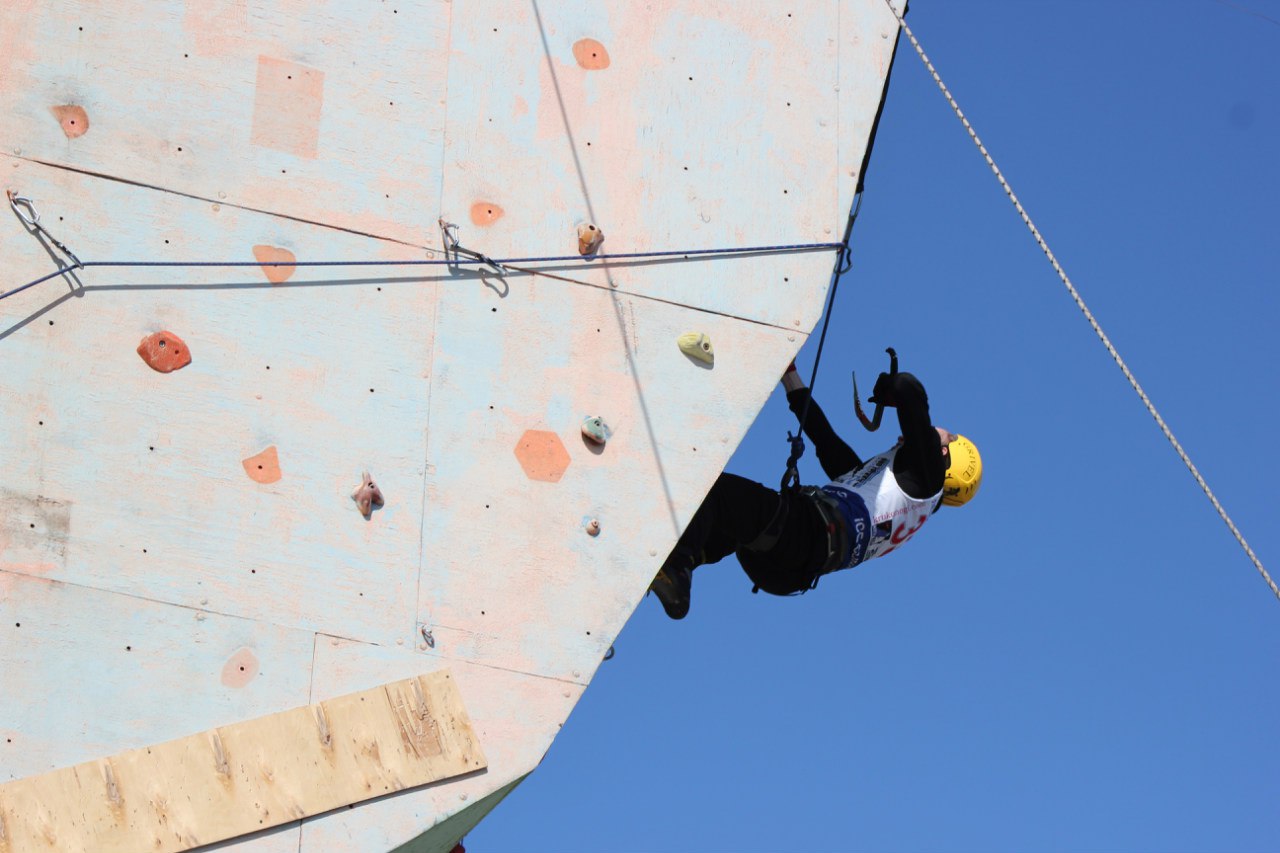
164,352
278,264
542,455
74,120
591,54
265,467
485,213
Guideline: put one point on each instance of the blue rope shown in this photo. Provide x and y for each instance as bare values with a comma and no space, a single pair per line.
740,250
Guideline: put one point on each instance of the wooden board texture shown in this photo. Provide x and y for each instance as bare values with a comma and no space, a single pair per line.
259,773
200,520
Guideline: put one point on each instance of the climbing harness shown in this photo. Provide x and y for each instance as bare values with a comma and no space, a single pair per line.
873,423
1080,303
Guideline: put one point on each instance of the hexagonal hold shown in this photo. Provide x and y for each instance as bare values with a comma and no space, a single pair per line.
542,455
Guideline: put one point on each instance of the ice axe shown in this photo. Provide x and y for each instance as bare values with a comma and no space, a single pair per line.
873,423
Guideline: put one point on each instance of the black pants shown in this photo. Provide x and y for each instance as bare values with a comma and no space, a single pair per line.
735,514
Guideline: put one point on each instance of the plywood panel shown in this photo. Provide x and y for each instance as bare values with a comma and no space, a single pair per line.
711,126
510,577
88,673
239,778
329,368
331,112
514,716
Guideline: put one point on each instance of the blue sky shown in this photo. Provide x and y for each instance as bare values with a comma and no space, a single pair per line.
1082,659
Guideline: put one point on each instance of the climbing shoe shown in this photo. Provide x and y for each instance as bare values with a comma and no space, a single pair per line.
673,585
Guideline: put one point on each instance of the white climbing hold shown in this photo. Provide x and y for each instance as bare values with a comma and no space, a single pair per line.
595,429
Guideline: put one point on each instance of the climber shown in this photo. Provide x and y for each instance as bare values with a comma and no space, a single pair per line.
786,541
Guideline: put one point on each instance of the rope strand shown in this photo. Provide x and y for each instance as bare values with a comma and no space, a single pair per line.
687,253
1124,368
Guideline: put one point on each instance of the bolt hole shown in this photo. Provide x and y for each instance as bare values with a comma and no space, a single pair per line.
494,310
128,648
50,322
370,390
242,669
151,447
32,526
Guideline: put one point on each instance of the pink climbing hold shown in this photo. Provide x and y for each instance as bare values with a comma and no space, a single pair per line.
367,495
240,668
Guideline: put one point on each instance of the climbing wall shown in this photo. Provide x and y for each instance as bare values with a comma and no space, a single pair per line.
179,545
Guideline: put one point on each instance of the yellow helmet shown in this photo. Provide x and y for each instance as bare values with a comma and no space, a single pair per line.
964,475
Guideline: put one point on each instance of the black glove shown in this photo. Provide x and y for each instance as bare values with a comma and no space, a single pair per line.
884,394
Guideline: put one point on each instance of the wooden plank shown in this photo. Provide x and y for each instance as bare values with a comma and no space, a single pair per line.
241,778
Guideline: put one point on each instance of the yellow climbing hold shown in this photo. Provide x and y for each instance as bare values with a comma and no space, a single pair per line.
697,345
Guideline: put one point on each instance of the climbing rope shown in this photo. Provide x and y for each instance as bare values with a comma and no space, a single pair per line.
1124,368
481,260
791,477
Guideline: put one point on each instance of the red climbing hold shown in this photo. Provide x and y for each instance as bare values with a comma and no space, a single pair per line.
164,352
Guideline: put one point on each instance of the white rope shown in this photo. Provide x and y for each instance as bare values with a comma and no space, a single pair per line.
1084,308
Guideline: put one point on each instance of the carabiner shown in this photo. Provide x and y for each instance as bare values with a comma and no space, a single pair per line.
32,217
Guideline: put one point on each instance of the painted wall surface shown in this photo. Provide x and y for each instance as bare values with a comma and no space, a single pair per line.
180,550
